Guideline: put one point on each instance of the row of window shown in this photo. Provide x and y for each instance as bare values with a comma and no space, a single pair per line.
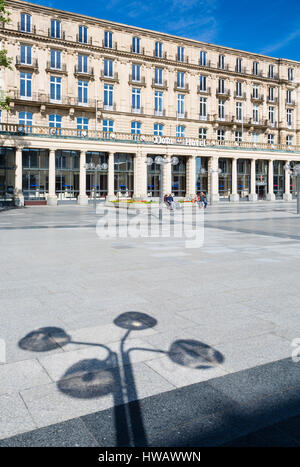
56,95
82,37
55,121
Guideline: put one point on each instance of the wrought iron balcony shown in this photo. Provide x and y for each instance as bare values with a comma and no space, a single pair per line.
32,65
87,72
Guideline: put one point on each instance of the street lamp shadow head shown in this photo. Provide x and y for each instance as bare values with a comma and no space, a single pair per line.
135,321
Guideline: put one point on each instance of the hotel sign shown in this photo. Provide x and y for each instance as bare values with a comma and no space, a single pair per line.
183,141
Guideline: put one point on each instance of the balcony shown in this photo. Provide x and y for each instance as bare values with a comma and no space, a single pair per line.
240,96
185,88
114,46
181,114
33,65
137,110
259,99
290,103
85,72
160,113
109,107
32,30
162,85
164,55
61,37
206,92
242,70
88,42
140,52
40,99
223,94
57,70
113,78
134,82
185,59
207,63
273,100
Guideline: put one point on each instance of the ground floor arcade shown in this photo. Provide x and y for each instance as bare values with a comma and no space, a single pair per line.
37,173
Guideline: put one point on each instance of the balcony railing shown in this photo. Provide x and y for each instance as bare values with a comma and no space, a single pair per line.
52,67
114,46
38,98
184,88
113,77
184,60
207,63
140,82
24,64
240,96
32,29
223,94
162,85
257,97
88,42
290,102
164,55
62,35
160,113
271,100
137,110
86,71
206,91
110,108
140,52
29,131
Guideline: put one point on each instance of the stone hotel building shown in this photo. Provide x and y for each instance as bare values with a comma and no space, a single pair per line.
87,90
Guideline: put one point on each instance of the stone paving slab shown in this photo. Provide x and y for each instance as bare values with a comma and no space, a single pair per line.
236,294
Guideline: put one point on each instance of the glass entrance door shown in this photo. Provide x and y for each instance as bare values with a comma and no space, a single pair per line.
96,183
202,174
261,179
67,175
35,173
7,175
225,178
179,177
243,178
279,174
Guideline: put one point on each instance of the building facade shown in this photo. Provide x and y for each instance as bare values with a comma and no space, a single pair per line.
86,90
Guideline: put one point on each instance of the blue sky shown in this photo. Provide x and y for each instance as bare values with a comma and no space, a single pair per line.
263,26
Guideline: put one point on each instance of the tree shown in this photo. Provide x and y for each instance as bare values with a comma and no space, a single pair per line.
5,61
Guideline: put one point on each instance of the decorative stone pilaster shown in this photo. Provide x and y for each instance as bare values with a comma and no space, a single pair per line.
52,198
191,177
234,197
19,197
287,195
111,177
82,198
253,194
213,164
270,194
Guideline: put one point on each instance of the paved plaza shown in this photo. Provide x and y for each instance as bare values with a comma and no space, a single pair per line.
136,341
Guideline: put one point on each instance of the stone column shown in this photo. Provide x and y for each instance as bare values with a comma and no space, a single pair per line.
167,176
140,176
253,195
191,177
287,196
82,198
213,164
52,198
270,195
19,197
234,194
111,177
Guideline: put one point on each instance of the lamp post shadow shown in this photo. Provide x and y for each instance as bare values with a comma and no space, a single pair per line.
94,378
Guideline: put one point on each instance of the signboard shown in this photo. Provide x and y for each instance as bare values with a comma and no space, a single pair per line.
184,141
